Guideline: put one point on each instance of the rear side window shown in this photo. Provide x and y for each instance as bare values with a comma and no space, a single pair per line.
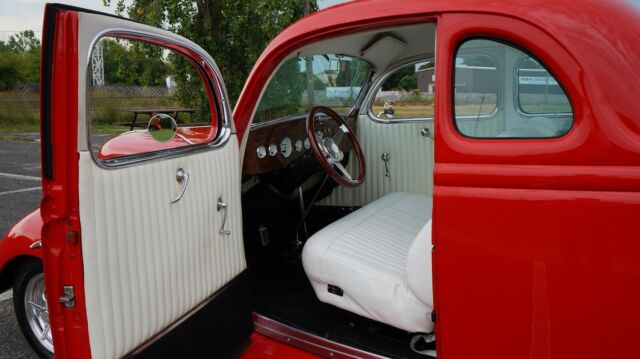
501,91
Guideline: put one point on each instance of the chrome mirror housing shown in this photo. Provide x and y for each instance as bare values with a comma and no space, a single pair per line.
162,127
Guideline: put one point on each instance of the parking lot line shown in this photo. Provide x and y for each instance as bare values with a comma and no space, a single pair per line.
6,295
19,190
20,177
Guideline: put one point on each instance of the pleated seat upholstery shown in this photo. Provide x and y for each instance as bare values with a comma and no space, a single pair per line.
363,262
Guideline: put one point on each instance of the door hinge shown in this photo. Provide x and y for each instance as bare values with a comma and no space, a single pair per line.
68,299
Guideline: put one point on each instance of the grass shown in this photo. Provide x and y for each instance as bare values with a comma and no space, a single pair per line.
20,112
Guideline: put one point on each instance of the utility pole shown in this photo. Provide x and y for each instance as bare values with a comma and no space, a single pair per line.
308,61
97,65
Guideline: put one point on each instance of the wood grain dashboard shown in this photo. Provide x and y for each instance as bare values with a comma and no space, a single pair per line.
274,133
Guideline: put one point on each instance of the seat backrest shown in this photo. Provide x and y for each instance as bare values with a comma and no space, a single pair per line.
419,273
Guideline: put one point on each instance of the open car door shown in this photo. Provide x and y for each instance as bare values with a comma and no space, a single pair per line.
142,235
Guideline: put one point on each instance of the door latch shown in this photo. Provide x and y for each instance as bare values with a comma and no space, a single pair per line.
222,206
385,158
68,299
426,132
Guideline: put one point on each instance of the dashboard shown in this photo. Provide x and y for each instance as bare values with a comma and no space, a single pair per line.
272,146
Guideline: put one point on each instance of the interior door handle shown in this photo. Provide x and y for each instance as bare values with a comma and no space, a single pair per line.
222,206
182,177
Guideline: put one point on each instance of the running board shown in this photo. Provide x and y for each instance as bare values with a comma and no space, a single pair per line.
307,342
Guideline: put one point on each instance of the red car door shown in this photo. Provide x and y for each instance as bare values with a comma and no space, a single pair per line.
143,254
535,208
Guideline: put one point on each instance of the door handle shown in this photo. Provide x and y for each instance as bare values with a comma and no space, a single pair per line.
222,206
182,177
386,158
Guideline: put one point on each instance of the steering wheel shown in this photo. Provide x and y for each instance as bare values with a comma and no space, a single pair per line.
329,150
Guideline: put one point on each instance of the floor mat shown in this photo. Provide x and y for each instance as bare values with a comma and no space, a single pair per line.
281,291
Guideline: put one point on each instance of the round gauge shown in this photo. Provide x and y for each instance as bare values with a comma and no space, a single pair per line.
285,147
307,144
261,151
299,145
273,149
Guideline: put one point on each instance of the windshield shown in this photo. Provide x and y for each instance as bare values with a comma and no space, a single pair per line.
320,80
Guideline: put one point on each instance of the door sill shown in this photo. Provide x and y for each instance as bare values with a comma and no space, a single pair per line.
305,341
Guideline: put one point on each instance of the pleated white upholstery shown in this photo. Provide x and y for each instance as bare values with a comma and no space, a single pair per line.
365,254
148,262
410,166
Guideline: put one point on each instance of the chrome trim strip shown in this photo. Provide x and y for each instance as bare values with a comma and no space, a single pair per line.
216,85
307,342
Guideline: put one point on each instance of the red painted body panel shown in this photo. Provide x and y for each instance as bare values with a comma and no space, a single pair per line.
536,242
135,142
18,239
264,347
59,207
536,246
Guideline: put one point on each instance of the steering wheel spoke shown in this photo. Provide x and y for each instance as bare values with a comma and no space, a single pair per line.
343,170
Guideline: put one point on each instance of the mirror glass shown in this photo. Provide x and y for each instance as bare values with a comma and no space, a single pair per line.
162,127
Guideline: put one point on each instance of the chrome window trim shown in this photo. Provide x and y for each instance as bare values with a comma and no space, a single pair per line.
516,93
215,84
377,84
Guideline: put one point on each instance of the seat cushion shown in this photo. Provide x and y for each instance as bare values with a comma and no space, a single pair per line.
365,254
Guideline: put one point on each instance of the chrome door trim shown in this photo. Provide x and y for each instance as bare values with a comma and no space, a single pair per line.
216,84
307,342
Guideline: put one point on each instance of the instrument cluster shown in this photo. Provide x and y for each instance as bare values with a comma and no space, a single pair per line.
285,148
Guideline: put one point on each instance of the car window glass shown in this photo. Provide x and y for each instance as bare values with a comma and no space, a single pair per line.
538,90
502,92
406,94
130,83
333,81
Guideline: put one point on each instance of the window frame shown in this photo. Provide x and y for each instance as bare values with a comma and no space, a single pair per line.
461,41
211,81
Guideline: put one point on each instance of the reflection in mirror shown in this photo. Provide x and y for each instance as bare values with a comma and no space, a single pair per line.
162,127
132,83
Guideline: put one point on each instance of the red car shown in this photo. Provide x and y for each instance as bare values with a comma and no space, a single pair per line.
349,207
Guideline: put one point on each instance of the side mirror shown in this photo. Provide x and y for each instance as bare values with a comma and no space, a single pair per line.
162,127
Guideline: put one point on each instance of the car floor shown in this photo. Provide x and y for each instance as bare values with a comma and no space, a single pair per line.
281,291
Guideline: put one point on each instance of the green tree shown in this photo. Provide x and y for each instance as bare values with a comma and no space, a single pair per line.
133,63
19,60
234,32
408,82
393,82
283,95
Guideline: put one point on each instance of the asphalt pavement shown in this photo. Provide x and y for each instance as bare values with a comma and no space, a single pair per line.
20,194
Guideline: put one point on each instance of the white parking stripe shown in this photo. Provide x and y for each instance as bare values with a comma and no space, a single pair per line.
6,295
20,177
19,190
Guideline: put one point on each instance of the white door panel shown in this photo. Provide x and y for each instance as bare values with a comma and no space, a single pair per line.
153,261
410,165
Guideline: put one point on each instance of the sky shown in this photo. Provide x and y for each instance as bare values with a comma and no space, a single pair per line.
20,15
